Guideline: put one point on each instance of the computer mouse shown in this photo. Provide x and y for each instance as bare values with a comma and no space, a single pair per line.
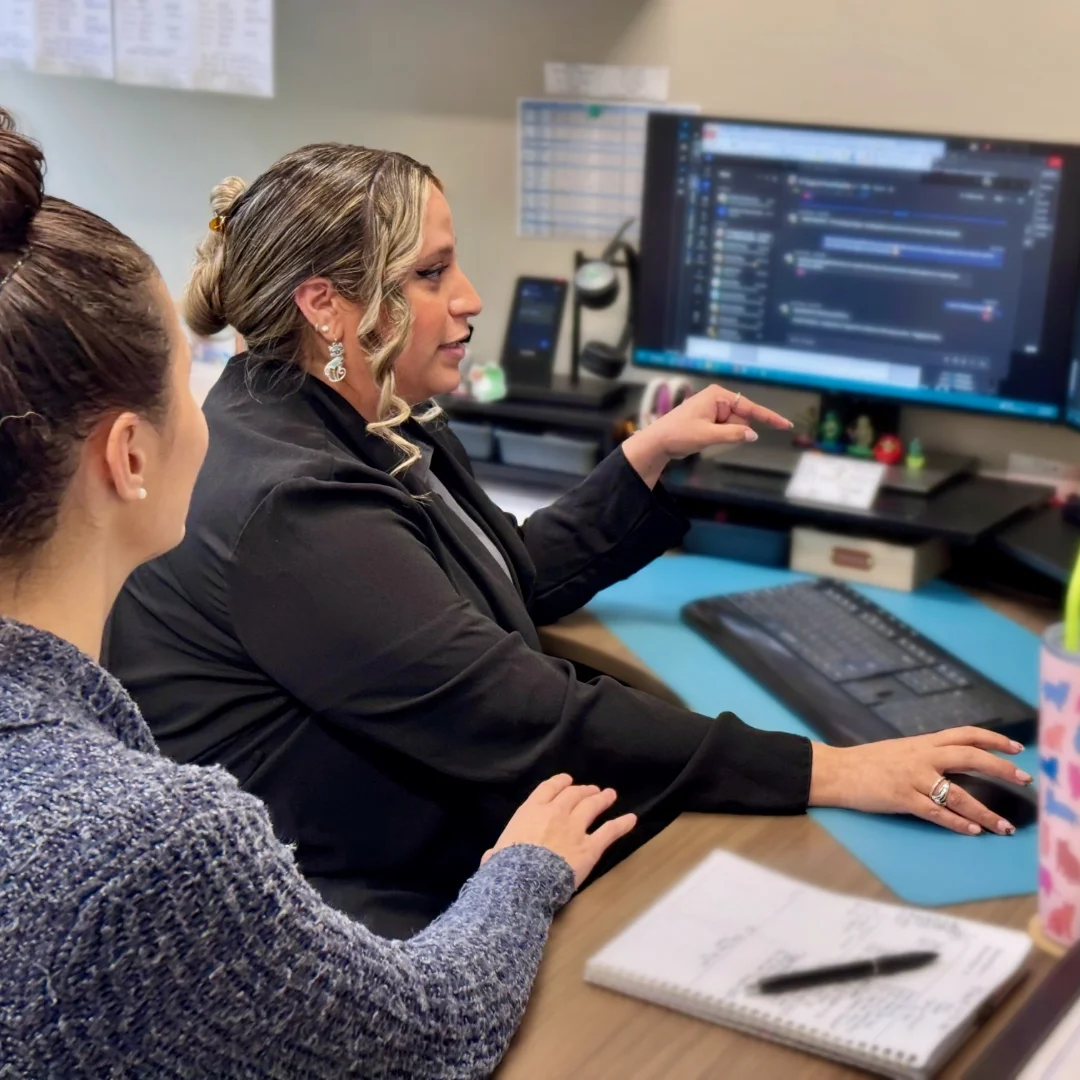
1016,804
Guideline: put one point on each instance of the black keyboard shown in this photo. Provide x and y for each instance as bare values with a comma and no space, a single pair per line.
854,672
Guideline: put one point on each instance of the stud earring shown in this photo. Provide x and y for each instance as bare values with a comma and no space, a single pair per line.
325,328
141,493
335,369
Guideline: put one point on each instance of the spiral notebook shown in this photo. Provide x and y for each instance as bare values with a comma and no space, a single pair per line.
701,948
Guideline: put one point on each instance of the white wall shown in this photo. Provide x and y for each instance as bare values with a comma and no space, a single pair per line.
440,81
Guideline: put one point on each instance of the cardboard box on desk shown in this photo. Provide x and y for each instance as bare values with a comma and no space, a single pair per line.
872,562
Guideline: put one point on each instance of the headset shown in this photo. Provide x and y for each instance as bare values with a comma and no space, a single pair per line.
596,286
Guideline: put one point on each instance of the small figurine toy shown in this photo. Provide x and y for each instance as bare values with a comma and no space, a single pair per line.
862,437
889,450
830,434
916,459
805,427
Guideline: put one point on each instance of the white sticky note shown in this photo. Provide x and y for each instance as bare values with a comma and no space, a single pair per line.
626,82
836,480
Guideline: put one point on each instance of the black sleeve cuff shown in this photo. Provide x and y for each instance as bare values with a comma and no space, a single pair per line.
741,769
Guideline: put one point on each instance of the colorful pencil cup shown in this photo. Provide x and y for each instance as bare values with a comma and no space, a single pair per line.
1059,775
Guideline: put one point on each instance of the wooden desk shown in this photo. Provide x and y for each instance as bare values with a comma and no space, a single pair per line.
575,1030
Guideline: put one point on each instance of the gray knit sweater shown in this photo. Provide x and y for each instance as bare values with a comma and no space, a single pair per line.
152,926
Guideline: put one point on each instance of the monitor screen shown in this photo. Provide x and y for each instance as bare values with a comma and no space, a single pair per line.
925,269
1072,401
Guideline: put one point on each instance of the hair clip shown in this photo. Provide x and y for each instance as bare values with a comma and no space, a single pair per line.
15,268
217,223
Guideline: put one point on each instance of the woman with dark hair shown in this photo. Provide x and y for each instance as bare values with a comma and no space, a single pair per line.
150,922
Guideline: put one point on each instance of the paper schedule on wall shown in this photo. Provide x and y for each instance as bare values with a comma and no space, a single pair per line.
221,45
580,166
73,37
57,37
236,47
155,42
17,33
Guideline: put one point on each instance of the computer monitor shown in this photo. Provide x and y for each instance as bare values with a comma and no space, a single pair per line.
1072,408
1072,393
926,269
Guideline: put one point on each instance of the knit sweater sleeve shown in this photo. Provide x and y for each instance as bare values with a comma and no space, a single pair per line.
210,955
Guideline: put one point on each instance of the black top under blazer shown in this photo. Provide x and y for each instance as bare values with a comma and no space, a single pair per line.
345,645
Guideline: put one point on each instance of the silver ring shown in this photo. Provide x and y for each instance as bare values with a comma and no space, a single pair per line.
735,401
939,793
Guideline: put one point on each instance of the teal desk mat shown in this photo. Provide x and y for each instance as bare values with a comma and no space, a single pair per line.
922,863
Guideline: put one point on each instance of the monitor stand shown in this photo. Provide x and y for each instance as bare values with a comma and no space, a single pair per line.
774,453
565,390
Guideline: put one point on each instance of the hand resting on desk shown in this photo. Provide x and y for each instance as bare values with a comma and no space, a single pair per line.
558,815
896,776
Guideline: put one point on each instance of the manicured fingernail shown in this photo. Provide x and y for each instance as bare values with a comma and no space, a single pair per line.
750,435
1016,747
790,424
974,829
1005,828
1023,777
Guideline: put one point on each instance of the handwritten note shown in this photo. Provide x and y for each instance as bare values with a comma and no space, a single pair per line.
730,922
836,480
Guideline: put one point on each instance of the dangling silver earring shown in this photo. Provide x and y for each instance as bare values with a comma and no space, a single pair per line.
335,370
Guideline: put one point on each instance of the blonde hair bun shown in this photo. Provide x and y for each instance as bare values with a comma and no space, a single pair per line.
203,304
225,194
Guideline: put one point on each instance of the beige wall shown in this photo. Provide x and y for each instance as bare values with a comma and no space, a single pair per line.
440,80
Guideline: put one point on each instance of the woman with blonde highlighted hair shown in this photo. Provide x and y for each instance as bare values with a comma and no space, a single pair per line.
350,625
151,923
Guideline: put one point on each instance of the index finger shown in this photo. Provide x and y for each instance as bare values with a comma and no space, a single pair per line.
981,737
550,788
750,410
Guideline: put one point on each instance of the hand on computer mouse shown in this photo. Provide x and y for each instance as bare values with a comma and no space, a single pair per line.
897,776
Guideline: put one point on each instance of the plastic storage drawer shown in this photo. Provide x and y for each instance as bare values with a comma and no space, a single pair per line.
550,452
478,439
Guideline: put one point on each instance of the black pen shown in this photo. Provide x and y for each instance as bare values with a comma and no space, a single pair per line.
860,969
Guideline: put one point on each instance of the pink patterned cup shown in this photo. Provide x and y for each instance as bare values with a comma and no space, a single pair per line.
1059,790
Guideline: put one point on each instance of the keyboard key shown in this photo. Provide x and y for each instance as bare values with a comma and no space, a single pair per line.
925,680
875,691
954,708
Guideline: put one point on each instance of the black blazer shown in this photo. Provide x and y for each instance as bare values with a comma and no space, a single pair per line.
354,655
